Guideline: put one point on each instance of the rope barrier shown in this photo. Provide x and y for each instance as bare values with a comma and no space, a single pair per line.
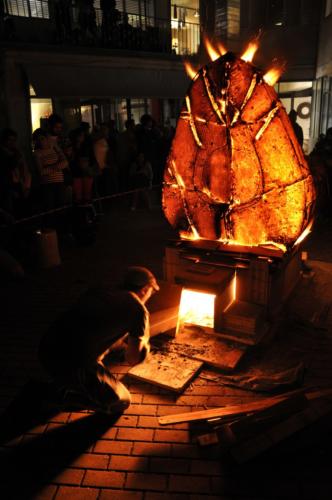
94,200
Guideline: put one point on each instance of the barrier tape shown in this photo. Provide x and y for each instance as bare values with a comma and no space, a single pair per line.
100,198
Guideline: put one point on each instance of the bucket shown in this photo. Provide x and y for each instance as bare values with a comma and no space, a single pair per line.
47,248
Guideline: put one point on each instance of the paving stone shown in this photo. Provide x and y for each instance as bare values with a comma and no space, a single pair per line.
71,493
102,479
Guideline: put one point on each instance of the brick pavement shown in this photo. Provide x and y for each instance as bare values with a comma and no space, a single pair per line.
73,455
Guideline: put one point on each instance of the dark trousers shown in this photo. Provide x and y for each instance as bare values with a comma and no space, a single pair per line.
96,385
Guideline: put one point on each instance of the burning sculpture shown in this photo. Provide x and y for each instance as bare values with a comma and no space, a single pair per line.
236,172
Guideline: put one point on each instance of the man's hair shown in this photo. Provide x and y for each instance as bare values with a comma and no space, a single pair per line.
138,277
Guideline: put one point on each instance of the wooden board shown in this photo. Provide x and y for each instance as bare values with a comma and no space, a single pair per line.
168,370
227,411
209,348
221,412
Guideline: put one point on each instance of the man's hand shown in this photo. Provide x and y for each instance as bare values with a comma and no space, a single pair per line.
137,350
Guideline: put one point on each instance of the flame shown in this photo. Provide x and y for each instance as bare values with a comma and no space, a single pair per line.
305,233
222,49
250,51
213,53
186,235
190,70
275,244
196,308
273,74
234,287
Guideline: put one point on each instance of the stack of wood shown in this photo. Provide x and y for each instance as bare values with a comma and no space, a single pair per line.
247,430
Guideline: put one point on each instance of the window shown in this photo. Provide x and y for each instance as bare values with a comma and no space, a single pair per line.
185,27
140,12
28,8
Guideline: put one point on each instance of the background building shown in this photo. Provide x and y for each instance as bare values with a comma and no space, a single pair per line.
87,62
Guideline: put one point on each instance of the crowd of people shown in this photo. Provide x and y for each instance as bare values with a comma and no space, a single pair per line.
82,165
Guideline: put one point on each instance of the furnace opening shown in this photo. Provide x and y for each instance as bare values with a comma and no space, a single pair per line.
196,308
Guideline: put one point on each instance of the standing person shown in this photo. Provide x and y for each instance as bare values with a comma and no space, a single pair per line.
78,348
148,140
297,128
141,176
15,178
55,130
126,152
82,170
50,162
111,17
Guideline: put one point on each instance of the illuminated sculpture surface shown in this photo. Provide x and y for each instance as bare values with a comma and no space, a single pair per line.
236,172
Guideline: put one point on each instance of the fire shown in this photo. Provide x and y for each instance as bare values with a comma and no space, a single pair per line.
213,53
235,172
272,75
186,235
222,50
250,51
197,308
305,233
190,70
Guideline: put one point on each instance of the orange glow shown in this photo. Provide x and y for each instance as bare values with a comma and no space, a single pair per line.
305,233
250,51
190,70
272,75
197,308
236,173
186,235
213,53
222,50
234,287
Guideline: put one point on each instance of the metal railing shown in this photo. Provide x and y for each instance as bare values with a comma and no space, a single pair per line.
123,31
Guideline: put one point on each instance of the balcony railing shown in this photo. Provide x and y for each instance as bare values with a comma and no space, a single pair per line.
123,31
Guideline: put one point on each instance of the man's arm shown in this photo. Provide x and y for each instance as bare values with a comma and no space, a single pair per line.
137,350
138,340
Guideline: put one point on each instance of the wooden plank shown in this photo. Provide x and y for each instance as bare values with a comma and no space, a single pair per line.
209,348
168,370
221,412
236,410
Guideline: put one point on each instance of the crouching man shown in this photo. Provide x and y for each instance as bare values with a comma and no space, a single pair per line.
77,349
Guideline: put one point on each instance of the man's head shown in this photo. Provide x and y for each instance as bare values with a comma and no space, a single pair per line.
140,281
